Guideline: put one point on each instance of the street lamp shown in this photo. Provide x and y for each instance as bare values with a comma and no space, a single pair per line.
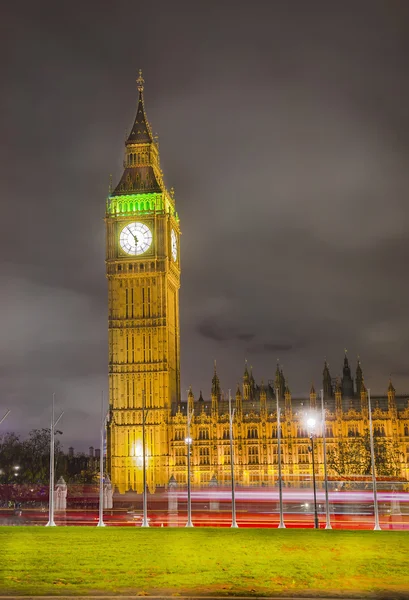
373,471
311,423
145,522
101,464
51,522
324,448
188,441
233,498
280,477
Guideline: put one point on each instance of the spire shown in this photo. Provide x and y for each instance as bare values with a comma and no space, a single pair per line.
246,377
359,377
239,405
326,381
338,397
141,132
190,400
142,173
347,383
215,383
263,400
313,397
246,383
391,398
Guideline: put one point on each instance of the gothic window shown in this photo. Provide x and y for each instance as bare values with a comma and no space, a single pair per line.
179,435
379,431
203,434
406,431
204,456
301,432
353,431
253,455
226,455
252,433
180,456
303,455
226,435
328,432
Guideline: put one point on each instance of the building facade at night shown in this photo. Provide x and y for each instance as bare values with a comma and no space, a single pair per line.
143,272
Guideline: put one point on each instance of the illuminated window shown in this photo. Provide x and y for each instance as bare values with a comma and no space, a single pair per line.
204,456
253,455
303,455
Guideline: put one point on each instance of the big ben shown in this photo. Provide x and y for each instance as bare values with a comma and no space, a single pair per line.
143,271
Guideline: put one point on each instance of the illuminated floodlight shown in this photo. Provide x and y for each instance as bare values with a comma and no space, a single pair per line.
188,440
137,454
16,468
311,422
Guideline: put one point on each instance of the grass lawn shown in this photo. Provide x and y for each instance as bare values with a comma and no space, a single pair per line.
205,561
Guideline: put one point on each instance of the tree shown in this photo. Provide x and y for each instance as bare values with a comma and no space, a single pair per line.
352,456
11,457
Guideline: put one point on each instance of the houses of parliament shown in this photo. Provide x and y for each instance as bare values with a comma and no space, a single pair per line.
143,271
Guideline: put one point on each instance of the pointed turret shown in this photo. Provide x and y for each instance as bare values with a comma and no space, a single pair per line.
347,381
287,398
338,398
364,399
246,382
327,382
216,391
201,402
190,400
215,383
359,377
263,400
279,381
391,397
313,397
239,405
141,132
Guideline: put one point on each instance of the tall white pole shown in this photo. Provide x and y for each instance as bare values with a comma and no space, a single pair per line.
101,466
324,448
188,444
51,522
5,416
281,524
145,497
233,497
373,471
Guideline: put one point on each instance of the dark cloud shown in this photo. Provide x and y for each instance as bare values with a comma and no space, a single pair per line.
285,132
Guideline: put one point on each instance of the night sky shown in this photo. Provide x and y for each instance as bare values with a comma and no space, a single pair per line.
284,129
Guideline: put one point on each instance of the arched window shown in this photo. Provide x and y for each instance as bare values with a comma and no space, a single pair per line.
253,455
406,431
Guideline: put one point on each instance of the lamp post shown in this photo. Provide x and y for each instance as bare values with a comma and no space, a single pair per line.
145,522
188,441
311,426
281,524
233,497
51,522
377,526
101,465
5,416
324,448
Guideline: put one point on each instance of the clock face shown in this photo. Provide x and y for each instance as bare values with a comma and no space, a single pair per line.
174,243
135,238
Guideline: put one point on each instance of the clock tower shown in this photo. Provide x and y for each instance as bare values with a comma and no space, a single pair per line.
143,271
